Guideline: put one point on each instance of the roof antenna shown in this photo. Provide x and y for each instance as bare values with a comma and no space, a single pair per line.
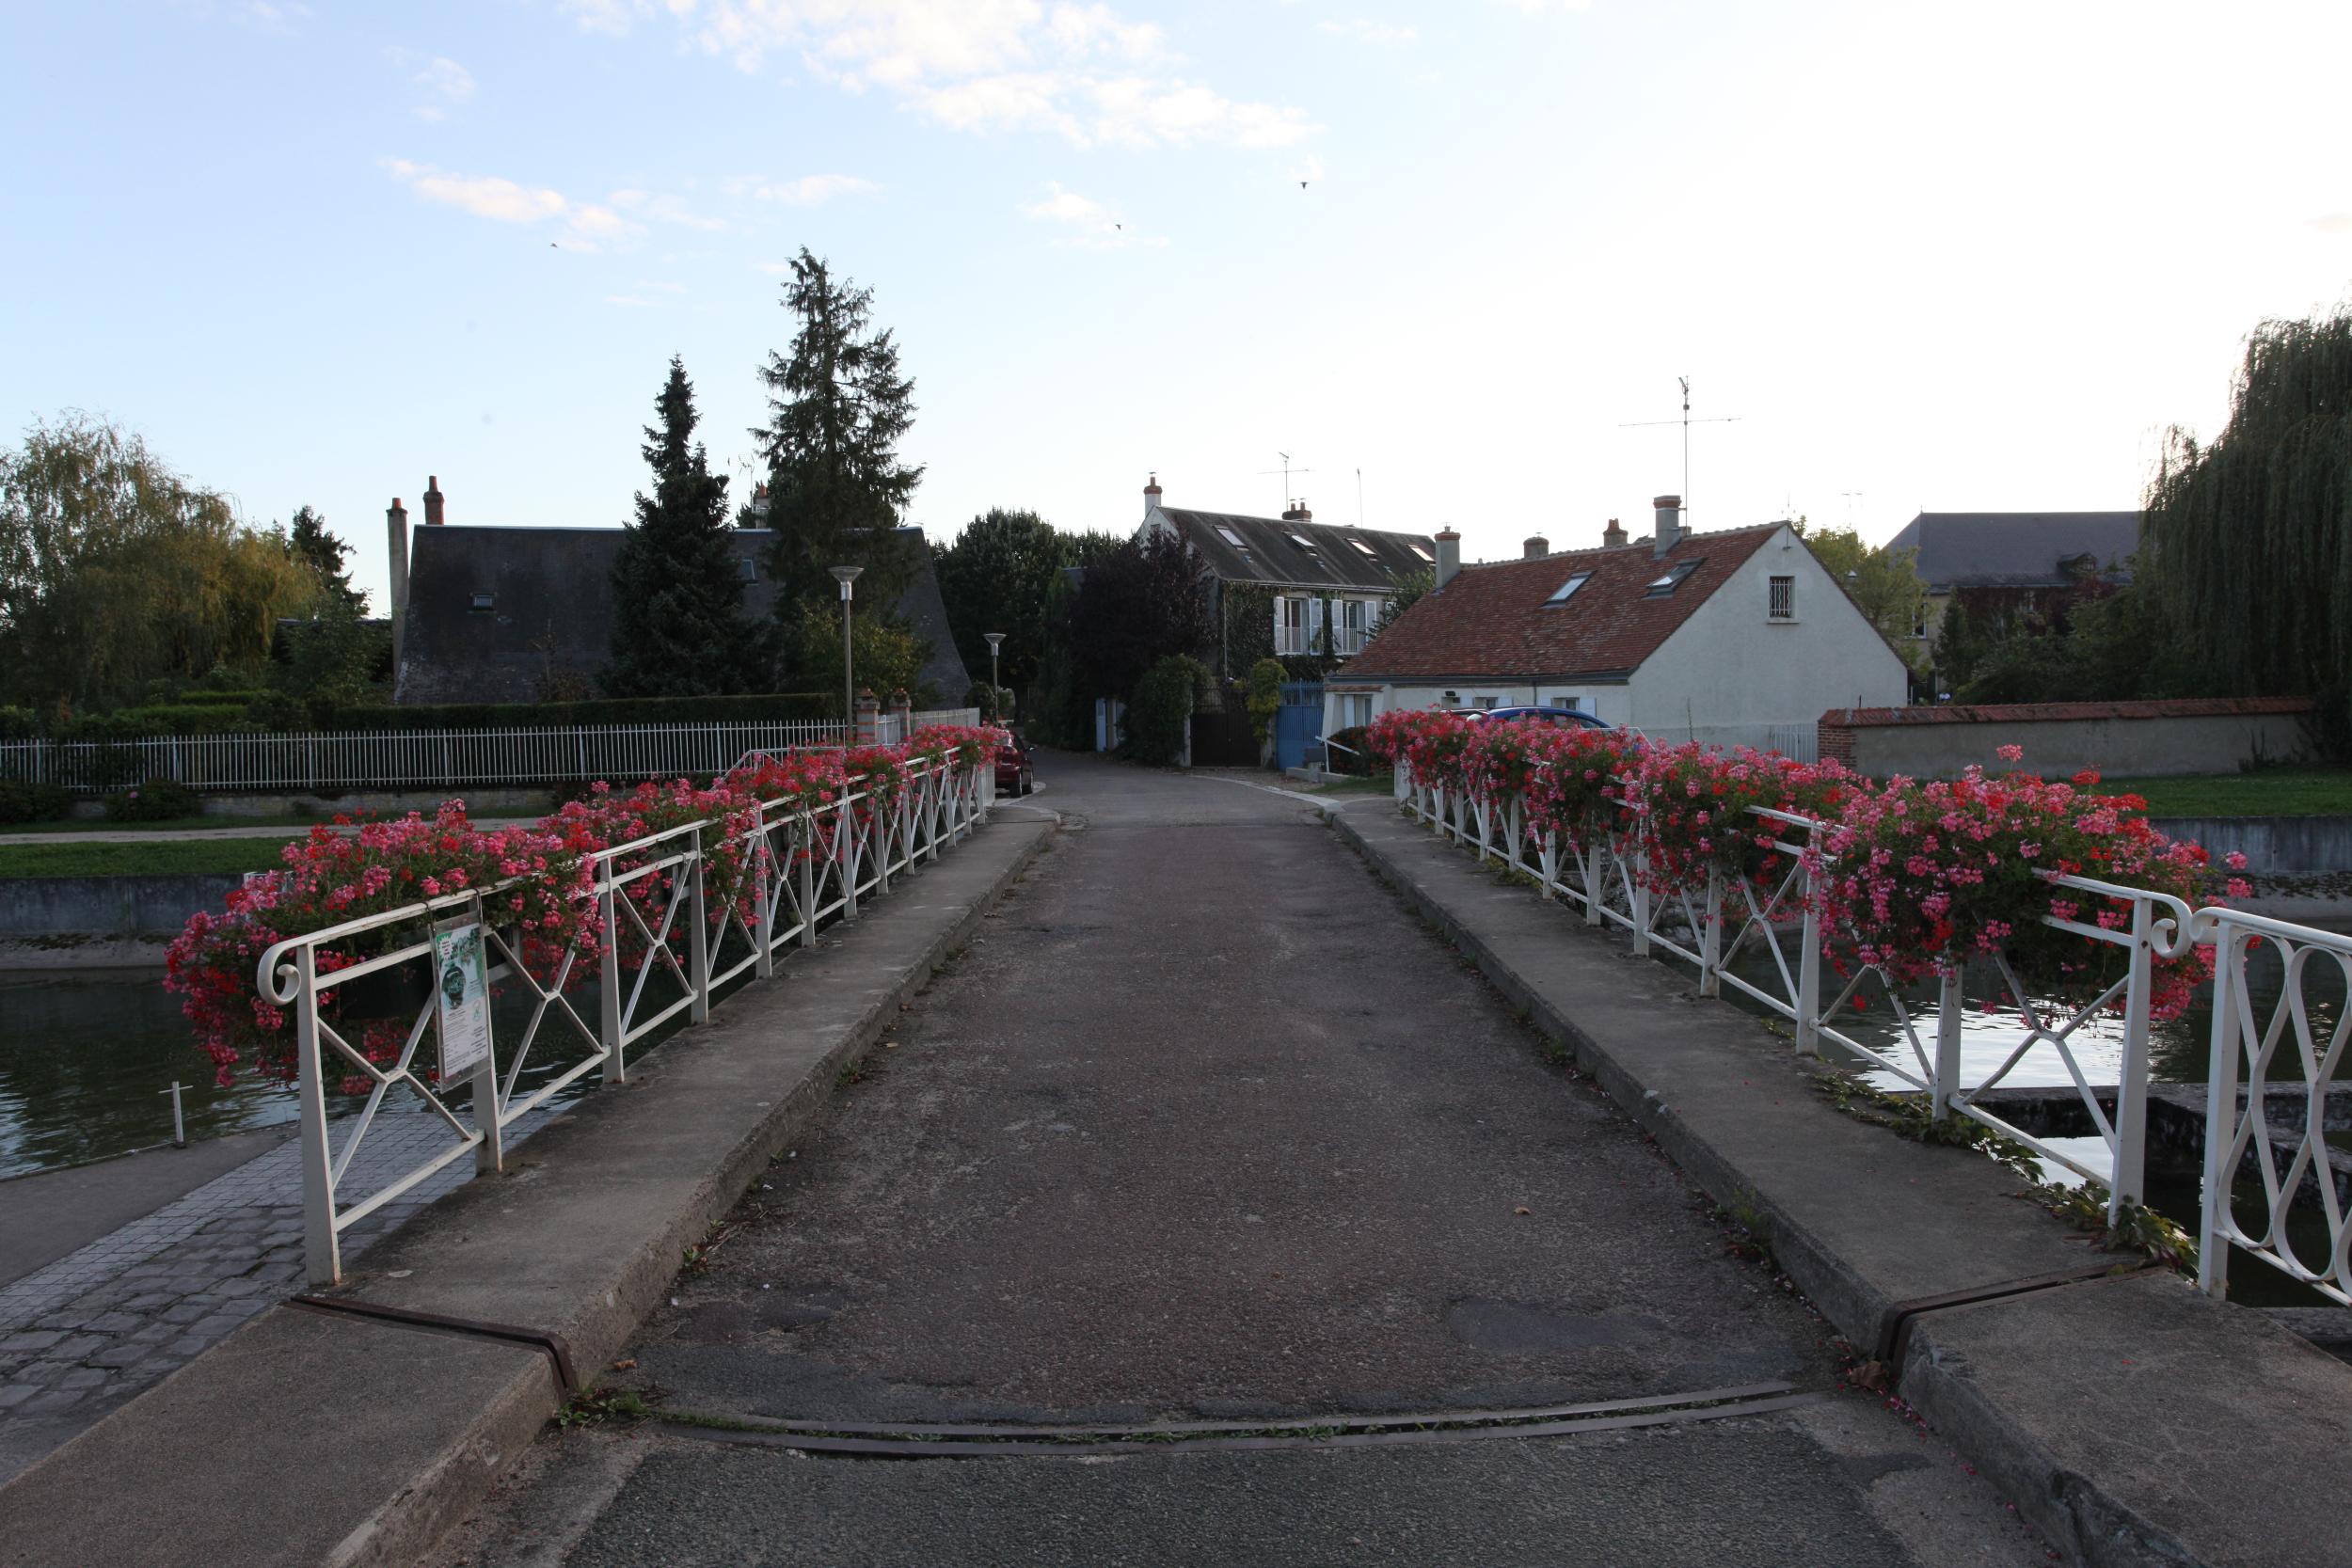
1686,421
1286,471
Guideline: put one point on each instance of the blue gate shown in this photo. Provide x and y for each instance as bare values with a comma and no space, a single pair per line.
1298,723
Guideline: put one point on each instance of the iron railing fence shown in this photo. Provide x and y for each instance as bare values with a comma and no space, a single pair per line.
339,762
663,951
1711,925
888,731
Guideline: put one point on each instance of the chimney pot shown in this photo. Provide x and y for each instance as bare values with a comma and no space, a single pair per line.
1613,536
1449,555
1151,494
433,500
1536,548
1669,524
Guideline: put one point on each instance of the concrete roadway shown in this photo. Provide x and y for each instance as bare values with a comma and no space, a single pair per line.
1209,1127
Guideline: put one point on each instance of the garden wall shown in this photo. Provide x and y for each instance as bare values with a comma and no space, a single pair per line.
2215,734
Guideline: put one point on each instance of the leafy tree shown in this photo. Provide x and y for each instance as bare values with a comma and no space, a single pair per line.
837,410
999,575
679,625
1139,605
116,572
1160,711
1884,583
308,538
887,655
1407,594
2247,542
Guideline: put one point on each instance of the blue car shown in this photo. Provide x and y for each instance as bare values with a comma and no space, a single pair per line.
1573,717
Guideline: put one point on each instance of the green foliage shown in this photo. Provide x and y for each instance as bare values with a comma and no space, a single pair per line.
608,710
678,625
1353,757
19,723
2247,542
309,541
837,409
1408,593
1160,711
1000,576
1265,696
1884,582
32,803
155,800
1139,605
115,571
1246,616
339,659
888,658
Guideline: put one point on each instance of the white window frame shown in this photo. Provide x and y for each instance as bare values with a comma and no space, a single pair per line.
1355,623
1290,635
1780,609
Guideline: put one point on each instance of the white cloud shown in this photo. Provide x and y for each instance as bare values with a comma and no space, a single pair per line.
2334,223
1384,35
809,190
501,200
446,86
1085,223
1066,68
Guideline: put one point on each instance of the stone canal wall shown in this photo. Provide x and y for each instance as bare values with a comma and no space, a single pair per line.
77,922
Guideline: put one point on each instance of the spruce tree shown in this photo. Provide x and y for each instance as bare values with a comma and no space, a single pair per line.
679,625
837,407
308,540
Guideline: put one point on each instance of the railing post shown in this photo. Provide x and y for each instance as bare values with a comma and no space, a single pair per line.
1711,940
1947,1021
844,840
609,977
2212,1243
885,823
764,873
489,1155
805,873
698,945
2128,1184
1808,968
1548,864
1595,893
1641,902
321,1247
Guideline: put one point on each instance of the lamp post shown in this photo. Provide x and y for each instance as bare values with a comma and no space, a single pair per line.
995,641
846,575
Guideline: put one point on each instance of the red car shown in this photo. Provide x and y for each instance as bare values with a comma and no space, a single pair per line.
1015,775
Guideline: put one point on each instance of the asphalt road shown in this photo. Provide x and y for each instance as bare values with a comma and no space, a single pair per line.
1207,1128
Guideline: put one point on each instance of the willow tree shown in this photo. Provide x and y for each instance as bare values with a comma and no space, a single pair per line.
2248,542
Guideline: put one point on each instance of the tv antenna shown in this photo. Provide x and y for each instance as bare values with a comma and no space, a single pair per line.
1685,422
1286,470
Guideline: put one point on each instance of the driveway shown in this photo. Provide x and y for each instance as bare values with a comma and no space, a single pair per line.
1208,1129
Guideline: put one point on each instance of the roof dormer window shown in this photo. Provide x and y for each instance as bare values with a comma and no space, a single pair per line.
1671,578
1302,542
1421,552
1567,589
1367,549
483,601
1230,537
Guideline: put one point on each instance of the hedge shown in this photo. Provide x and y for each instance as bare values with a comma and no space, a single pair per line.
793,706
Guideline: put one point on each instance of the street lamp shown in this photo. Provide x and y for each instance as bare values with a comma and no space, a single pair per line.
846,575
995,641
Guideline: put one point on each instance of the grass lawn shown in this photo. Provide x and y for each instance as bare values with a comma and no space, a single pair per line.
2272,792
164,857
175,825
1379,785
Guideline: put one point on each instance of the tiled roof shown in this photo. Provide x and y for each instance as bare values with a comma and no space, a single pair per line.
1269,551
2014,549
1493,621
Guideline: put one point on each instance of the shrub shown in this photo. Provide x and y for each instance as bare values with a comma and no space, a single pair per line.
1161,709
1355,758
32,803
154,801
1265,696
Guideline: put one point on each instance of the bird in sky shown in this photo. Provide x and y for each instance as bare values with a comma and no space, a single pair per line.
1302,184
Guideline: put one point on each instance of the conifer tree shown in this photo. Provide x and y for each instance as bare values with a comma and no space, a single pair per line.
678,624
308,540
837,409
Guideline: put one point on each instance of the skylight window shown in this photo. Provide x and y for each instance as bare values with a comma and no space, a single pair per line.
1361,545
1302,542
1231,538
1421,552
1567,589
1662,586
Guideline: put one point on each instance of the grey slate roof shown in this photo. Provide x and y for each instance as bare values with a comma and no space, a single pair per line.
2014,549
551,607
1269,551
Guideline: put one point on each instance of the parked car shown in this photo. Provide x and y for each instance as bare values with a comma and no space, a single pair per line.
1016,771
1576,717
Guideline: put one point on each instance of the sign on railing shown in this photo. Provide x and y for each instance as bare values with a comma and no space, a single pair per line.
661,949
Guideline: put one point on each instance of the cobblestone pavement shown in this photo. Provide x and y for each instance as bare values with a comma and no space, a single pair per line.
86,1332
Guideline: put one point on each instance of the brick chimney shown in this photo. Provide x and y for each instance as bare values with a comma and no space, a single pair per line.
1449,555
1669,524
1151,494
1536,548
1613,535
433,500
396,553
1298,513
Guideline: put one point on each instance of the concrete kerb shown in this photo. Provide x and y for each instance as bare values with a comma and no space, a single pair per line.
304,1439
2118,1465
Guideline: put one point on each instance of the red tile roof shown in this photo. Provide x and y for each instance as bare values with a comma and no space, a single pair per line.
1491,621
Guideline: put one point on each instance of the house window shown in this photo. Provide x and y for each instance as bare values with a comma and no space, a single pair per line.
483,601
1567,589
1289,626
1783,599
1662,586
1423,553
1355,711
1361,547
1350,636
747,569
1302,542
1231,538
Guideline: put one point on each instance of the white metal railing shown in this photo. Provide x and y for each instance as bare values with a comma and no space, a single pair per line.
2291,1055
334,762
1711,924
808,866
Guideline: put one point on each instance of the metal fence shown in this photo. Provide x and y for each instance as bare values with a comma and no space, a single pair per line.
2267,1072
888,731
663,949
335,762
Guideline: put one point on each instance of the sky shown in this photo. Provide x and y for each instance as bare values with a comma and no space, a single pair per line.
1909,256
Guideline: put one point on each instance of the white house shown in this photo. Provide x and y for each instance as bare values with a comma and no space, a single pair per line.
1738,638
